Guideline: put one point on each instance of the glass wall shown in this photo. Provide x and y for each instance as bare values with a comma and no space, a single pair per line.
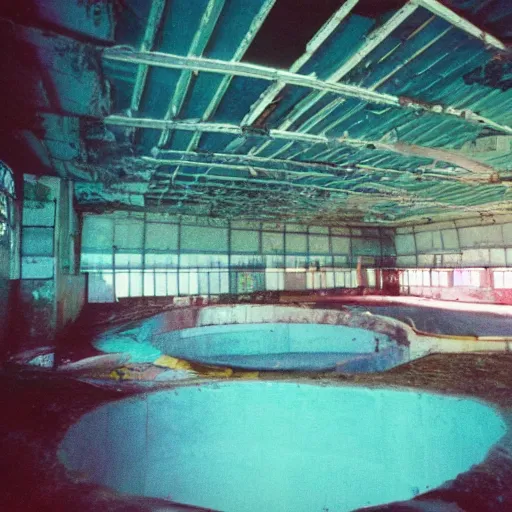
135,255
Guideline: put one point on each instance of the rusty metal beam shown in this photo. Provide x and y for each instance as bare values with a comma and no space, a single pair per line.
154,20
311,48
439,9
402,148
197,47
190,64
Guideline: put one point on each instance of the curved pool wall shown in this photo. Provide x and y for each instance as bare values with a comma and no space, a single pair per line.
275,446
285,346
265,338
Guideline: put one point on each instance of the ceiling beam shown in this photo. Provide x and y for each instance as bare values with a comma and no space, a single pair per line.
171,61
190,64
255,26
239,53
197,47
402,148
225,128
311,48
248,160
252,169
321,168
154,20
370,43
451,157
440,10
248,181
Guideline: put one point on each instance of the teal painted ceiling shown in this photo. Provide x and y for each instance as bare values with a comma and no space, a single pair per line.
272,109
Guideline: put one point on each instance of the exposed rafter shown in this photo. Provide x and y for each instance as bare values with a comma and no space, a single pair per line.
311,48
287,159
201,178
451,157
373,40
437,8
239,53
286,77
320,168
154,20
381,194
402,148
242,165
167,60
197,47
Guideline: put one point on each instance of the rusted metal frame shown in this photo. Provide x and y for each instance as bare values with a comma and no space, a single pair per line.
323,169
451,157
242,48
154,20
373,40
197,47
291,184
189,64
461,113
275,164
440,10
314,44
226,80
238,167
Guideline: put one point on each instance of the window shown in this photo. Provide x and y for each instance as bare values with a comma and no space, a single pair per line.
466,277
502,279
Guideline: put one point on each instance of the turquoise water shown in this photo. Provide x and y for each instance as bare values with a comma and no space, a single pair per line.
281,446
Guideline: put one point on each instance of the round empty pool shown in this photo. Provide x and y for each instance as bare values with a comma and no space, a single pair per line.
278,446
269,346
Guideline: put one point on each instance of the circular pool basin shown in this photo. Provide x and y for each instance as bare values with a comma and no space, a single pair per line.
268,346
279,446
283,346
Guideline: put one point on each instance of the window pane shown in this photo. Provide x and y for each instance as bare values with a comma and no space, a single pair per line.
203,283
274,280
340,279
499,279
193,283
135,284
370,273
122,284
161,284
183,280
149,283
224,282
172,283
